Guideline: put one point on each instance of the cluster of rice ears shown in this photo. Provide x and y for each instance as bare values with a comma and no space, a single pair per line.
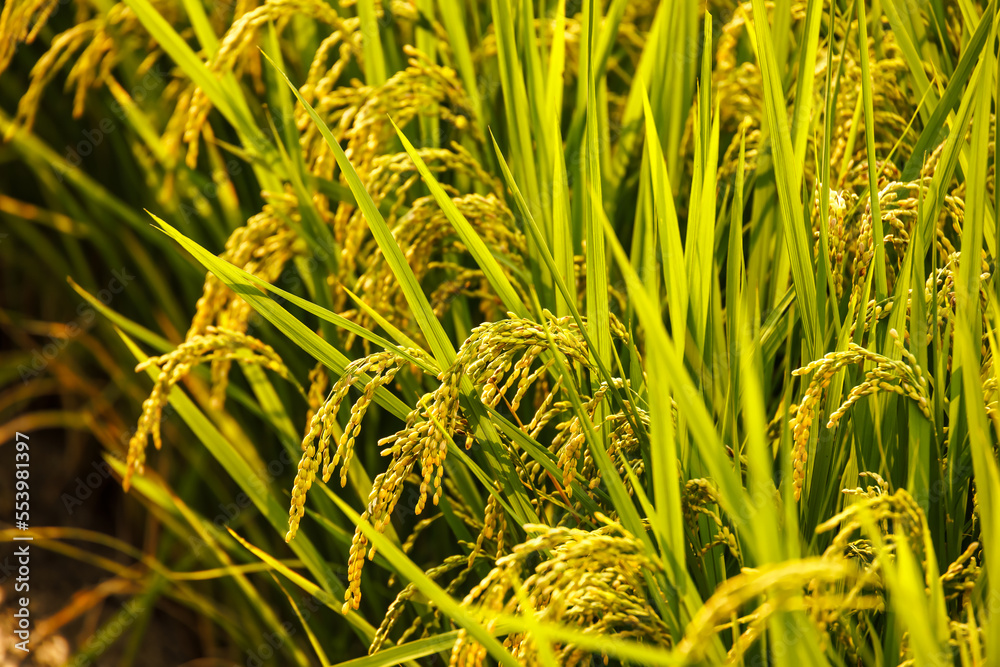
643,332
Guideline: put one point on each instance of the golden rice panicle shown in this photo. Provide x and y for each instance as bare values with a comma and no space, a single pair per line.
493,524
697,499
590,580
569,443
427,238
233,49
394,177
900,377
903,377
238,54
435,420
91,48
898,203
359,117
570,448
392,182
355,561
398,605
880,487
319,381
822,372
321,423
880,508
20,23
217,343
960,578
61,51
382,367
262,247
943,285
841,203
385,494
776,587
623,445
304,477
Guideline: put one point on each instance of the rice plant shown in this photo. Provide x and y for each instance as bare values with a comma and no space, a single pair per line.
518,332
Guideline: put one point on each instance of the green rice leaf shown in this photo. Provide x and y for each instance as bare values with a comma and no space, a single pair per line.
788,172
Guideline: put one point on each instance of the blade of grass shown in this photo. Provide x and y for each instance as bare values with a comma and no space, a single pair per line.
598,315
420,648
352,617
453,20
881,286
515,100
942,109
313,641
668,232
788,175
699,240
376,71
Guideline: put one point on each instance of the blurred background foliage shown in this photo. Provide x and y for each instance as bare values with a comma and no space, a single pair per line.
576,253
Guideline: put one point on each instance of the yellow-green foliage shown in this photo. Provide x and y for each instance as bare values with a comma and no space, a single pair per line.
587,484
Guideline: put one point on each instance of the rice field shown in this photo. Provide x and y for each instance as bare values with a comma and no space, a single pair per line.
503,332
